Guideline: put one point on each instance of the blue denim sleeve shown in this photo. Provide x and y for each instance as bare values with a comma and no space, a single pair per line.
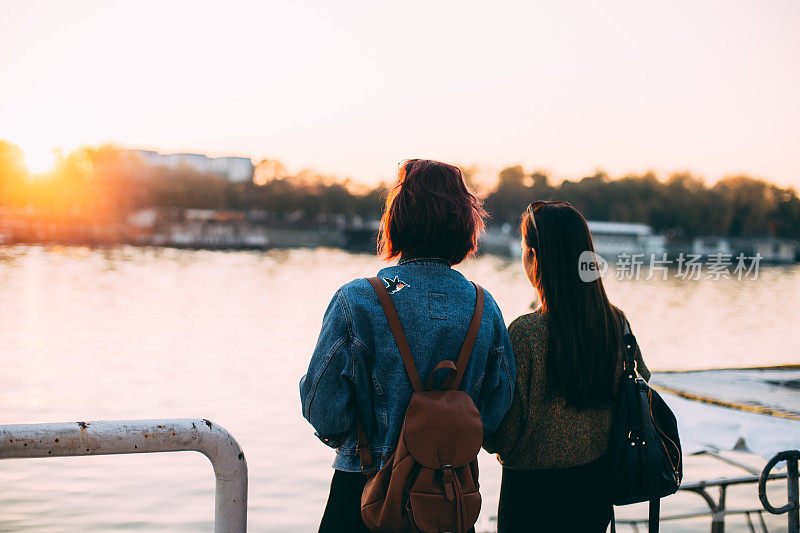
497,389
326,391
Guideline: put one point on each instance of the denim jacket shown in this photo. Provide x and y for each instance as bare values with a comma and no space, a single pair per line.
356,363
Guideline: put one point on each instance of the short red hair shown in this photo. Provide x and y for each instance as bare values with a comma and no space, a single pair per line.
430,213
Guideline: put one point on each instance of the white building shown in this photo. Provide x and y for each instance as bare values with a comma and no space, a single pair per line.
610,240
614,238
770,249
235,169
711,245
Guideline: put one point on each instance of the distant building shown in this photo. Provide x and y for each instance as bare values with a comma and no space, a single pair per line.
197,228
771,249
614,238
776,250
711,245
610,240
206,228
236,169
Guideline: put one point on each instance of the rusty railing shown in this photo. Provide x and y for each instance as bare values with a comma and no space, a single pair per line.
70,439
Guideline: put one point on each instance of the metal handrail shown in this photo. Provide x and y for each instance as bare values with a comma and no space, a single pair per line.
718,507
68,439
792,457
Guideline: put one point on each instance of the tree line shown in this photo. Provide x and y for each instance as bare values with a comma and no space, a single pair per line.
111,183
683,204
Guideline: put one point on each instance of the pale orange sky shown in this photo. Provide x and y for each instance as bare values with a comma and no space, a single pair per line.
351,88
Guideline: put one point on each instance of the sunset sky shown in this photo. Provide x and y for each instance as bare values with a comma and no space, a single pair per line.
351,88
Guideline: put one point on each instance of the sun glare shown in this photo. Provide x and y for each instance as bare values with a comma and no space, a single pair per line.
39,160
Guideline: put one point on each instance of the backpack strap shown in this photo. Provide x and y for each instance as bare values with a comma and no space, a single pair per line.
653,517
638,425
654,510
442,365
629,342
397,330
362,448
472,335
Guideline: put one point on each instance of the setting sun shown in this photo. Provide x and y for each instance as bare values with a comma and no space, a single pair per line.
39,160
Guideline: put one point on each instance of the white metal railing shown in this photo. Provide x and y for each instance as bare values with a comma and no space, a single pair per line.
68,439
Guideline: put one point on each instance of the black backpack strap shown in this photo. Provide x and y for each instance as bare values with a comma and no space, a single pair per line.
630,361
654,515
644,426
650,458
652,525
629,341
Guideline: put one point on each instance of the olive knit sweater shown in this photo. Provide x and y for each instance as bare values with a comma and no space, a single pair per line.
542,433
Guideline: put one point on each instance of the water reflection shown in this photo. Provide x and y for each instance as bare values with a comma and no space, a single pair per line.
128,332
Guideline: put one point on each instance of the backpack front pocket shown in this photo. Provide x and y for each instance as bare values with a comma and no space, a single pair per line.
441,515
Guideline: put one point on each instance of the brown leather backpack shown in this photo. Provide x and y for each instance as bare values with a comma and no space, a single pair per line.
430,482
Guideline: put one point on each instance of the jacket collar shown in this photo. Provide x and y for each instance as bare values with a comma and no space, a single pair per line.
432,261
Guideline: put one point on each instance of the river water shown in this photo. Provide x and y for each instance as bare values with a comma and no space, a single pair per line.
93,334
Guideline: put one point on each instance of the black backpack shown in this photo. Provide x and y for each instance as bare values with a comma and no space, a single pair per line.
644,447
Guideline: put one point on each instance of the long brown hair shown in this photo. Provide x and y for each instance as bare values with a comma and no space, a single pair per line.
583,342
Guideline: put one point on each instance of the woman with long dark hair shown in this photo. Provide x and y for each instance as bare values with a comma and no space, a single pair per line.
569,354
430,222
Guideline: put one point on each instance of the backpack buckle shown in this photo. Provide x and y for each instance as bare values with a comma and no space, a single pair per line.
448,480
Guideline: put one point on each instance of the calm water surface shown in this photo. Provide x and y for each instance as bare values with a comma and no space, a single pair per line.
159,333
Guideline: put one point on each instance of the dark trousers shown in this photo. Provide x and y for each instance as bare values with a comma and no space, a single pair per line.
343,511
562,500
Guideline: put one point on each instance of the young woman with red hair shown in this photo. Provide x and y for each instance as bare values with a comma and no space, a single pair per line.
430,222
